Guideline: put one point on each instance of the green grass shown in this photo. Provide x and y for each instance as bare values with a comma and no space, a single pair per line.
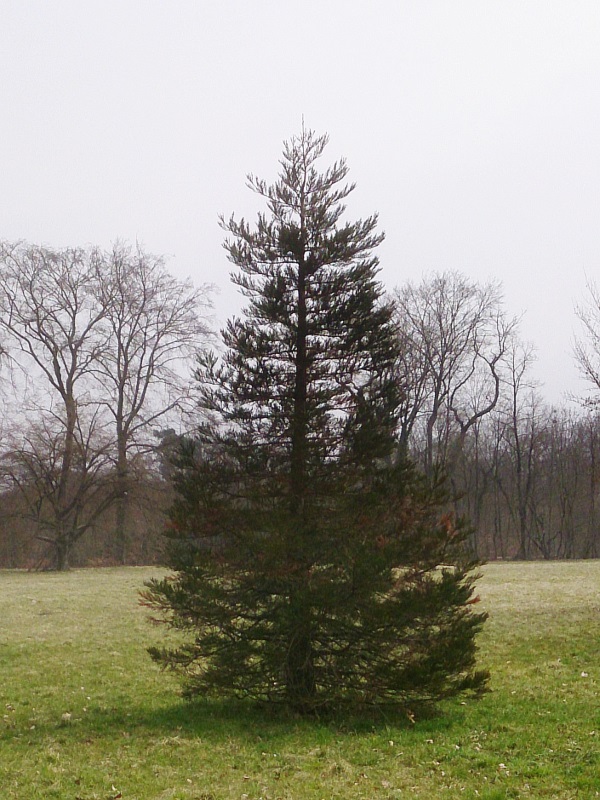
85,713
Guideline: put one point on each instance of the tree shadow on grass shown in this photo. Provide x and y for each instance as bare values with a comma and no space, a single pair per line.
222,720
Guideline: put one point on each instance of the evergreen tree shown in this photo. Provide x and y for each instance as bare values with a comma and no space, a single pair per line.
312,566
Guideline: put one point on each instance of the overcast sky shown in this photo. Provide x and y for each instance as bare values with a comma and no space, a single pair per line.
473,128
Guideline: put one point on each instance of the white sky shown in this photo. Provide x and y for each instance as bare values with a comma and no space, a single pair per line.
471,127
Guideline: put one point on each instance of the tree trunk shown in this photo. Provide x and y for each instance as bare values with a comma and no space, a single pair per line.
299,668
120,545
300,679
62,551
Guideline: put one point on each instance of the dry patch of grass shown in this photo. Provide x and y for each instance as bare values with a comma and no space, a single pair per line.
85,715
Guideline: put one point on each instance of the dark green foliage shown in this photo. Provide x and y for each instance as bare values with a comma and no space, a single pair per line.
312,566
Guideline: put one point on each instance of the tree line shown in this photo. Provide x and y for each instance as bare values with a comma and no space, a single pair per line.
525,473
96,349
100,381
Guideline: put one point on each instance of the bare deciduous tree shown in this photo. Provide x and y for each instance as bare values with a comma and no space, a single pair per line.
98,336
63,505
454,333
522,426
587,347
49,315
155,325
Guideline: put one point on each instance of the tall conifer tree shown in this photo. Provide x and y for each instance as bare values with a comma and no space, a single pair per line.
312,565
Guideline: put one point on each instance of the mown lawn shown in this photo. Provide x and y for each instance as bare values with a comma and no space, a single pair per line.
87,716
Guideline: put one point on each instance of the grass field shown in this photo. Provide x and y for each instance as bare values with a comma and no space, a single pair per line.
87,716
